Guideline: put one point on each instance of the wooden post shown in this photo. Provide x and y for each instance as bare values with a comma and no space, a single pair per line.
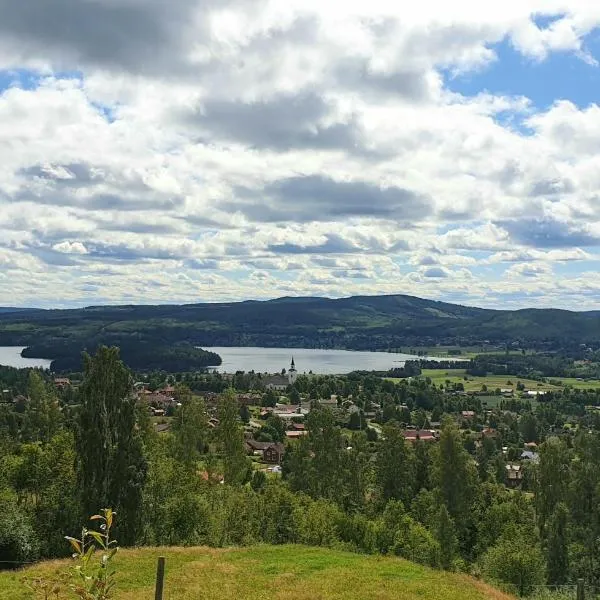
580,589
160,578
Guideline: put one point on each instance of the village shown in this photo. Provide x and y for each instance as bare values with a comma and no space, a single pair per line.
275,417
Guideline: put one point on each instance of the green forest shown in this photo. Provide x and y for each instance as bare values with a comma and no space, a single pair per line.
355,481
164,336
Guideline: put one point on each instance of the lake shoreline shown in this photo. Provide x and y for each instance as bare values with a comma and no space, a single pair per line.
310,360
12,356
266,359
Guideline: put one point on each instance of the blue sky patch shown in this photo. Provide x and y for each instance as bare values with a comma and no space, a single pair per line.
20,78
108,112
28,79
545,21
561,76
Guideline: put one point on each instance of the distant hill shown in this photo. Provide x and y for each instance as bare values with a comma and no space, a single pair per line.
357,323
278,572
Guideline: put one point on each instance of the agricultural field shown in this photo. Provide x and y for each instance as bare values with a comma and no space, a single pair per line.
492,382
464,352
475,384
578,384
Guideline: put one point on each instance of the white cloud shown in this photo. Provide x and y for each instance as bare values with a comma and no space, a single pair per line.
533,270
67,247
567,255
253,149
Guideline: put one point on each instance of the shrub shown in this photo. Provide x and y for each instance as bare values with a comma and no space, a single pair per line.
317,524
18,542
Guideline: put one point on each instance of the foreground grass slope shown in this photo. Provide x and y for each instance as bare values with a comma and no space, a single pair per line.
273,573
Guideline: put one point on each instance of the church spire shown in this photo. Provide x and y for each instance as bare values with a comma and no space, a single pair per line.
292,373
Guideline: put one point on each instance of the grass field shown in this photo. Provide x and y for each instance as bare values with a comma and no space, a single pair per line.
592,384
474,384
271,573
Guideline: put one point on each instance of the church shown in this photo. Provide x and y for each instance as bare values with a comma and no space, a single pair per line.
292,373
279,383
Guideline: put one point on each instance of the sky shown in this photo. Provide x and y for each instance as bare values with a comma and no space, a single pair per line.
221,150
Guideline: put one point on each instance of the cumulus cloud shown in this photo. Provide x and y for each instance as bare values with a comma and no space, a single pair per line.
67,247
333,244
435,272
549,233
235,149
321,198
562,255
532,270
300,121
563,32
121,34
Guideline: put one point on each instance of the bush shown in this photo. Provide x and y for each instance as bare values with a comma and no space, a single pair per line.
18,542
359,533
414,542
236,515
278,515
317,524
516,563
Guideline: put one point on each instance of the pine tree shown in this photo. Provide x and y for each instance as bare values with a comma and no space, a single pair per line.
585,502
454,476
297,466
42,415
446,537
269,399
245,414
422,465
190,426
112,467
528,426
552,479
328,478
558,546
231,440
355,464
395,466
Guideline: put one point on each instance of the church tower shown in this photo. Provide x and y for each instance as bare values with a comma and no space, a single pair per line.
292,373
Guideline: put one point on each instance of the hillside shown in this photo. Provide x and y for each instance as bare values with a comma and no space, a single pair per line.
356,323
271,573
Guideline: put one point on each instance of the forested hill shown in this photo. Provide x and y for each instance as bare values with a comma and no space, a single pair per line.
359,323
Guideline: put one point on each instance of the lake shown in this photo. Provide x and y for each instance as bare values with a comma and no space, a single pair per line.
264,360
323,362
10,356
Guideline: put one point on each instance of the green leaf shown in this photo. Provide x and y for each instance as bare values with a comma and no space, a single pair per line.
75,543
109,517
88,554
97,536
